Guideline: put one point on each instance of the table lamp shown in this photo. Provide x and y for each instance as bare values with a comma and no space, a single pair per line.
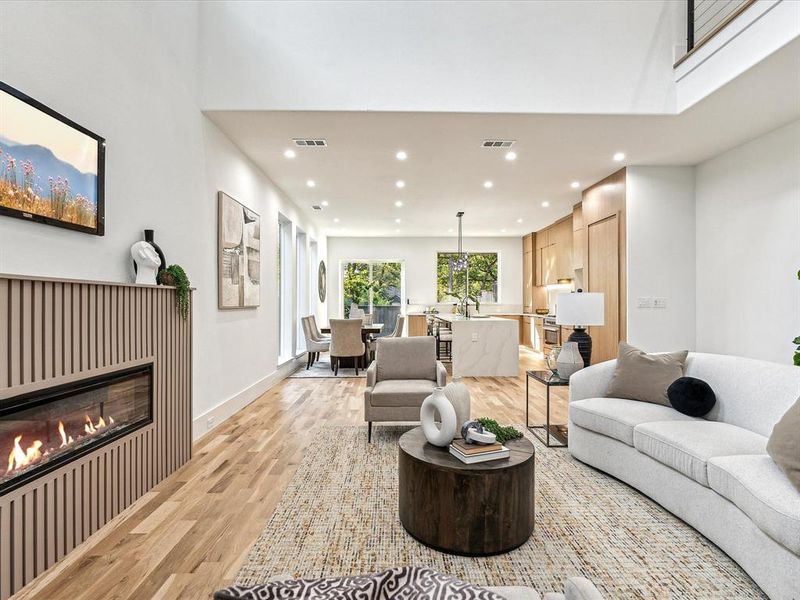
580,310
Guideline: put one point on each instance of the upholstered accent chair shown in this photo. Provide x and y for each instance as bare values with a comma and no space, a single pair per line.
403,374
313,346
399,323
346,342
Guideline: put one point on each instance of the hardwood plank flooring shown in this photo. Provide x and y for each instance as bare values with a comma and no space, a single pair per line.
188,536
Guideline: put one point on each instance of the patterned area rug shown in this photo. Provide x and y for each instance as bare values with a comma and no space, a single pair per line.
338,516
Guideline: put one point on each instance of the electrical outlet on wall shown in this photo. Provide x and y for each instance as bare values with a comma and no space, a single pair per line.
210,423
659,303
643,302
474,337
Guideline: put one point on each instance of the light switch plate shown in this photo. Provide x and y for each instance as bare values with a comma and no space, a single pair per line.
643,302
474,337
659,303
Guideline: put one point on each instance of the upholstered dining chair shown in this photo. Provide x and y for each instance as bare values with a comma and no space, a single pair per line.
346,342
403,374
368,319
399,323
313,345
318,335
355,312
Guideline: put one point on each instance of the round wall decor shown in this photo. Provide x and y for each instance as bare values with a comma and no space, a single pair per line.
322,281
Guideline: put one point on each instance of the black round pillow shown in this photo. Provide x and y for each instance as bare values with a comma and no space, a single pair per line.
691,396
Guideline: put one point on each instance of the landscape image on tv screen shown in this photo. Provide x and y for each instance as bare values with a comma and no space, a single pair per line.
48,168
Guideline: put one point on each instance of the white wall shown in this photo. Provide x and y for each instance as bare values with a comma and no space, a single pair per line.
442,56
661,257
128,72
748,248
419,255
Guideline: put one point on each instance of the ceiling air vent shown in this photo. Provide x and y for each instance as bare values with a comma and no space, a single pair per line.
316,207
310,142
498,143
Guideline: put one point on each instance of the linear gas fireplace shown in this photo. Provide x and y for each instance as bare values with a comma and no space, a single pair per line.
41,431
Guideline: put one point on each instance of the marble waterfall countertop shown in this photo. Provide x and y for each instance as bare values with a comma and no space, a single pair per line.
484,347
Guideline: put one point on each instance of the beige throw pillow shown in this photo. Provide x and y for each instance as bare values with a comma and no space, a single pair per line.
645,377
784,444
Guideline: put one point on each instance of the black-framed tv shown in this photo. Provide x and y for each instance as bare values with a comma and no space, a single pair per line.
51,169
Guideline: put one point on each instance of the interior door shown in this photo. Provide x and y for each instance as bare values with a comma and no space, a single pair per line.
603,264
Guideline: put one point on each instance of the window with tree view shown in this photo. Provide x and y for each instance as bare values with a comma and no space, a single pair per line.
450,280
376,287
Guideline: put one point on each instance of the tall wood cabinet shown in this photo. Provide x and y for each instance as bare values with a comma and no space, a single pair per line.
604,260
578,237
528,272
553,254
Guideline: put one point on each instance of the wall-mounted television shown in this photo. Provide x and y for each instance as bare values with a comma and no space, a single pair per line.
51,169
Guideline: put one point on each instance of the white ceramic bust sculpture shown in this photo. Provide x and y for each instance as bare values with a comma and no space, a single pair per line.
147,262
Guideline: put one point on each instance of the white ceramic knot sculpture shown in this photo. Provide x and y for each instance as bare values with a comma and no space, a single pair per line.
437,402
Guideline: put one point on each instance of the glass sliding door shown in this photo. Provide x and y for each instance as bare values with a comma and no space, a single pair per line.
375,287
387,294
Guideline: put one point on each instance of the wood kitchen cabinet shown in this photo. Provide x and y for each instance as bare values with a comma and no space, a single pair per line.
526,332
528,272
553,254
538,337
578,237
417,325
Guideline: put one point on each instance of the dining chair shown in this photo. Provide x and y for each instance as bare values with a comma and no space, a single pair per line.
355,312
399,323
313,346
444,337
346,342
316,333
368,319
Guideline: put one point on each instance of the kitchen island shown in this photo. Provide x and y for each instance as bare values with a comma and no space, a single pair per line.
483,346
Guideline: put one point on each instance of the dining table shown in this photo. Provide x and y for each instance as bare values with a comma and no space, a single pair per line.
366,330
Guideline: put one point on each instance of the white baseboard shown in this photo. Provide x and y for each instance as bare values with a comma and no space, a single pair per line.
237,402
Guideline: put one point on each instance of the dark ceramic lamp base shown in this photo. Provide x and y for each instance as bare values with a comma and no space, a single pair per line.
584,341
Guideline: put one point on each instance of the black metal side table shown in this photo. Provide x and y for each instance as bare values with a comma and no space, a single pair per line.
559,432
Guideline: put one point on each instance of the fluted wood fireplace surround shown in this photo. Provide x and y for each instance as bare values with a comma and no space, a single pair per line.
95,410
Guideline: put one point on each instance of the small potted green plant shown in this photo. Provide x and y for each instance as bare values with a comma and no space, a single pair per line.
174,275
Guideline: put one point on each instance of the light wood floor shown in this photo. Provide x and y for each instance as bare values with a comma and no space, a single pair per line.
188,536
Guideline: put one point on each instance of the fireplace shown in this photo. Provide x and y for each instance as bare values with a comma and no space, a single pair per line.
41,431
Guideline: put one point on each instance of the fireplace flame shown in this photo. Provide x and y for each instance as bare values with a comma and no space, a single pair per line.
19,457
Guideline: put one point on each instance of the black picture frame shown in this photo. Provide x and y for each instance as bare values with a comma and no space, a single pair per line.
99,228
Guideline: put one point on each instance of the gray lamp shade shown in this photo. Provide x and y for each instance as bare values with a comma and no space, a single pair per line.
581,308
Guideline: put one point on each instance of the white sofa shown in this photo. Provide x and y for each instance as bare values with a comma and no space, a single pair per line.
712,472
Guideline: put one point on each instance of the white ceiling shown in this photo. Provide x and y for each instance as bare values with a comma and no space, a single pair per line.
446,165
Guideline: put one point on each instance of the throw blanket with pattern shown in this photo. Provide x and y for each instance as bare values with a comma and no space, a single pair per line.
406,583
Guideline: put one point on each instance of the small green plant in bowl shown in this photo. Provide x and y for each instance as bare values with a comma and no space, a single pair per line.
174,275
503,434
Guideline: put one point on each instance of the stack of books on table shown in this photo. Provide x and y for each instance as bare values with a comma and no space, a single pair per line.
478,453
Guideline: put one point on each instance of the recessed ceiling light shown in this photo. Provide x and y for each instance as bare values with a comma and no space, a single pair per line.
311,183
399,203
289,153
324,203
401,155
519,220
336,220
502,231
450,230
488,184
575,184
400,183
545,204
619,156
511,155
397,231
397,220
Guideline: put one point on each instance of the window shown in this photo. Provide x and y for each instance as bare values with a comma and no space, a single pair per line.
302,287
450,280
376,287
286,290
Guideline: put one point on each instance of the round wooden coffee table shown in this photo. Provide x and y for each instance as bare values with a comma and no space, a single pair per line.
473,510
